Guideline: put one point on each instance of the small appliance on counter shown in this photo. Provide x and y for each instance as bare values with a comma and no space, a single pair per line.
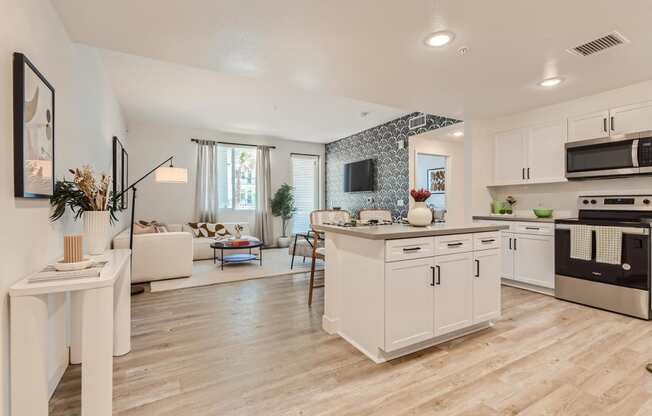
602,258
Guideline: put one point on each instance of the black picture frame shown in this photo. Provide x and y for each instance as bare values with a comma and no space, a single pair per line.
437,180
34,176
118,177
125,177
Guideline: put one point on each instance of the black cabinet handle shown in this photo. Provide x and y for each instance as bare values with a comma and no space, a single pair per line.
490,240
477,263
604,124
510,243
438,274
523,173
514,244
532,228
454,244
528,173
411,249
433,276
612,124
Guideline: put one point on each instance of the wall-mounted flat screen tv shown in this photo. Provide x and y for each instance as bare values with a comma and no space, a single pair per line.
359,176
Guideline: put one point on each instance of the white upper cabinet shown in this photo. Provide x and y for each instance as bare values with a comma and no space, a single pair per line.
530,155
631,118
510,157
588,126
546,153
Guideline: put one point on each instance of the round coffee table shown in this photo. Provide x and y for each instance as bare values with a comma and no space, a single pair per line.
240,257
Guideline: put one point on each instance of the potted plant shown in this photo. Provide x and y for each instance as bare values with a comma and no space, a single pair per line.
89,199
420,215
510,201
283,206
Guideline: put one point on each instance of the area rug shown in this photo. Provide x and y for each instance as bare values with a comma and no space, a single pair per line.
276,262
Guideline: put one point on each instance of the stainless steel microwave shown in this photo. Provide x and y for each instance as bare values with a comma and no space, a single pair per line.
609,156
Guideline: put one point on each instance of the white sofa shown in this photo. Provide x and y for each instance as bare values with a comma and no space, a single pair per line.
159,256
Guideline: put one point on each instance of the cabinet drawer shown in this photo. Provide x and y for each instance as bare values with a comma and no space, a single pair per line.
450,244
535,228
409,248
486,241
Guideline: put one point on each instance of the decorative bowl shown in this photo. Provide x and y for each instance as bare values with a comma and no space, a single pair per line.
543,212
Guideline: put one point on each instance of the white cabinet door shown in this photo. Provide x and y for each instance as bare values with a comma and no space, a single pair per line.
546,153
534,260
632,118
588,126
507,256
510,157
486,285
409,310
453,292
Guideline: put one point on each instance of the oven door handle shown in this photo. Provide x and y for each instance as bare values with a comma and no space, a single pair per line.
625,230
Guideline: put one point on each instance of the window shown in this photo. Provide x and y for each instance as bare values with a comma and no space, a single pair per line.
305,180
236,174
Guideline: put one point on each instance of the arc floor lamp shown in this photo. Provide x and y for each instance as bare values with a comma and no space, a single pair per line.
164,174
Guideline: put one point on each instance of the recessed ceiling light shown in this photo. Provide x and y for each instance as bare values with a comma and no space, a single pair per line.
441,38
458,133
551,82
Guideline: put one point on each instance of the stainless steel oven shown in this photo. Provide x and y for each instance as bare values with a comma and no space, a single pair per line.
624,287
629,155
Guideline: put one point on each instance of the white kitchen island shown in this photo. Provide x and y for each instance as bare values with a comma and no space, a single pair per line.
391,290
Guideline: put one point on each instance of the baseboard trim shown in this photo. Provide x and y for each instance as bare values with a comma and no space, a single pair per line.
330,325
527,286
53,382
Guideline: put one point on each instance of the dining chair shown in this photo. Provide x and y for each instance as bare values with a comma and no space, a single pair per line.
319,217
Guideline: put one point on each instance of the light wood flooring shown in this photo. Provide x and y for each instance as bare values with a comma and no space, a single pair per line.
254,348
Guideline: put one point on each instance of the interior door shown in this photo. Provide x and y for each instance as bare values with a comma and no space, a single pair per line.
453,305
534,260
546,153
631,118
588,126
486,285
510,157
507,255
409,305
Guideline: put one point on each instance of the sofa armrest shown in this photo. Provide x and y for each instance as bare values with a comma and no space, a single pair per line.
159,255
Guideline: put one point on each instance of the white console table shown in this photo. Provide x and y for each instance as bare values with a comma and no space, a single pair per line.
100,329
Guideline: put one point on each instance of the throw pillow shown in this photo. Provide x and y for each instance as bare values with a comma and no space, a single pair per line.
142,229
206,229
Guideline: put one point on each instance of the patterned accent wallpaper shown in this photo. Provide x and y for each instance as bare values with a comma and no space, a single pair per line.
392,165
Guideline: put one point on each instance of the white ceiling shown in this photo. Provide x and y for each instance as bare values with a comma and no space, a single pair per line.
372,50
167,93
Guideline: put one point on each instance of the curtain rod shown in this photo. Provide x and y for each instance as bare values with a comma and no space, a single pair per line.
233,144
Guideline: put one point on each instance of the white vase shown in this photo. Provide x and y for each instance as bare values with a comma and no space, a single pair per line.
96,231
283,242
420,215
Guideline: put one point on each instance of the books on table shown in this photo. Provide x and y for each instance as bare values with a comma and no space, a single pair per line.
50,273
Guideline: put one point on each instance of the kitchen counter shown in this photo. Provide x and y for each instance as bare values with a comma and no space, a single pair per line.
391,290
513,218
394,231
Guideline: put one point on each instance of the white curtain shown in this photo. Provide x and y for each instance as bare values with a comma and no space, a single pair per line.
263,216
206,185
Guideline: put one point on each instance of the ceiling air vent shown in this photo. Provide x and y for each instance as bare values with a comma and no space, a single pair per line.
417,121
598,45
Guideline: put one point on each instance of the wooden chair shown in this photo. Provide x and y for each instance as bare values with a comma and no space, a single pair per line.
380,215
317,218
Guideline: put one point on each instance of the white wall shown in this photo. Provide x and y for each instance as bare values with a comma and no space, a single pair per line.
87,115
560,196
150,144
439,142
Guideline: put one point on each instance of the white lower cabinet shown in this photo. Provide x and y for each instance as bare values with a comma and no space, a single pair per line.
529,258
429,297
486,285
409,302
453,292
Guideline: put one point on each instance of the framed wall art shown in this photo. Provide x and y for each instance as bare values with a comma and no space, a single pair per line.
120,172
437,180
34,118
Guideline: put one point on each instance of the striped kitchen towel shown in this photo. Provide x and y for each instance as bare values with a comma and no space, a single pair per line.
581,243
608,245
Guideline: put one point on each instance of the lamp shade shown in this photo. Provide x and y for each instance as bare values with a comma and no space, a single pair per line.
171,175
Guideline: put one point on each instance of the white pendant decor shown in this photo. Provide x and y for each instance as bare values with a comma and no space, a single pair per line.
420,215
96,231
